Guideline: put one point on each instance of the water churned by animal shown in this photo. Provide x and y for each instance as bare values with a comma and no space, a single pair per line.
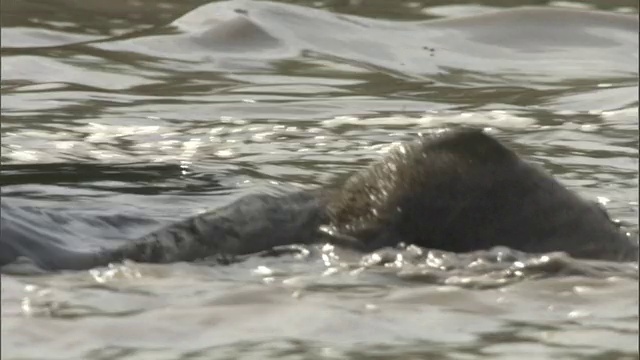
120,118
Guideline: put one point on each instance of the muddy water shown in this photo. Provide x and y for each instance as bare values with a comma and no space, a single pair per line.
121,116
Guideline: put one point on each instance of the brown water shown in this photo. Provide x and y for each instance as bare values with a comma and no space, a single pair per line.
121,116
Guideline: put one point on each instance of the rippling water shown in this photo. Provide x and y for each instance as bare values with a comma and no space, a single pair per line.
121,116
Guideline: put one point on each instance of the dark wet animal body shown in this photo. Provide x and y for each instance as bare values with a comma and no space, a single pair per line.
457,190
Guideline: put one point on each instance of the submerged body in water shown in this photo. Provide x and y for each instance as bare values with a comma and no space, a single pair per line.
457,190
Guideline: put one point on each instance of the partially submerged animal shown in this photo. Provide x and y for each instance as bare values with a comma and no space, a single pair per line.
456,190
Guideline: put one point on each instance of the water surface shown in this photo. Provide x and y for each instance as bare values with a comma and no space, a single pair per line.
122,116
